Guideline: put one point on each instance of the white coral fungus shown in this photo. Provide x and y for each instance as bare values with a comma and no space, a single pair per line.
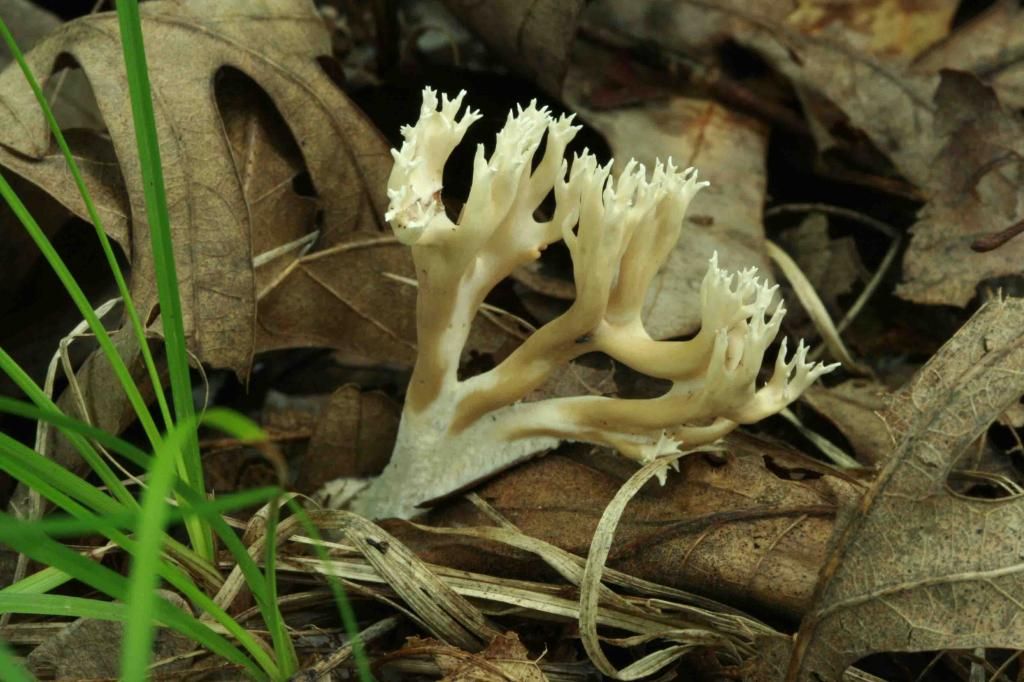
619,232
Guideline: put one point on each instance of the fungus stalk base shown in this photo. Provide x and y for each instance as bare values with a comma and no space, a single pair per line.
430,462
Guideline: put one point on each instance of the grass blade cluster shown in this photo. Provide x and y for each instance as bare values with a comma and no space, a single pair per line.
172,471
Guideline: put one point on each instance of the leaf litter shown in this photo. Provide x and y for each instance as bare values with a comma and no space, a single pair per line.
278,196
210,211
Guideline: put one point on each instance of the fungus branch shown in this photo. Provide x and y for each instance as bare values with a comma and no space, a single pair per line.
619,233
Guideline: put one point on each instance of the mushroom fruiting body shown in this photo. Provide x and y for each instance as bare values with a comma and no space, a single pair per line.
619,232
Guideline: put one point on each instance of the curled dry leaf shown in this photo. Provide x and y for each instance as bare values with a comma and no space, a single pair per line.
353,437
976,189
891,28
532,37
88,649
990,45
833,266
277,45
49,174
733,529
955,142
927,568
504,658
855,408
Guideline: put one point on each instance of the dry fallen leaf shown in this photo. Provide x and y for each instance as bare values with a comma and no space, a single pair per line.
533,37
277,45
990,46
749,529
975,189
927,568
504,658
947,134
893,28
854,407
954,140
49,174
69,94
89,649
269,166
27,22
886,28
879,97
340,297
833,266
353,437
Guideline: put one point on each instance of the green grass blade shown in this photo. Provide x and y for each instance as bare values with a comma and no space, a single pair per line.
81,444
139,631
61,605
345,610
76,431
94,216
80,435
66,490
69,526
48,551
25,465
84,308
146,559
13,670
217,418
189,466
262,585
284,650
40,582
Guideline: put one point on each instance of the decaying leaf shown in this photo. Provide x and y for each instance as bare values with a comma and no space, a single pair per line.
340,297
954,141
48,173
277,45
927,568
269,166
948,134
27,22
990,46
975,187
353,437
68,93
729,149
891,28
751,528
855,408
885,28
832,266
504,658
89,649
532,37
